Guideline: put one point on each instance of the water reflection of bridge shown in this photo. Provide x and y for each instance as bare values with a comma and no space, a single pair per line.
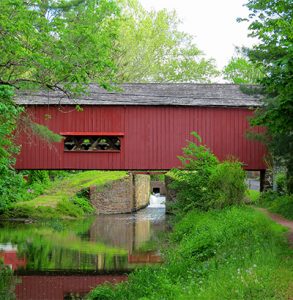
129,232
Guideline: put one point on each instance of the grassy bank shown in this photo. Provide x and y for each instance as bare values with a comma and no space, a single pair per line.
276,203
236,253
62,198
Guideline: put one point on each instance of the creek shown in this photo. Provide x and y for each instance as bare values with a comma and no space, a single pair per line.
63,260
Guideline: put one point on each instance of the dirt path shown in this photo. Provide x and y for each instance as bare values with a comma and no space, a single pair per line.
279,219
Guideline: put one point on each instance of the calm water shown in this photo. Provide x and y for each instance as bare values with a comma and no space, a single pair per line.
63,259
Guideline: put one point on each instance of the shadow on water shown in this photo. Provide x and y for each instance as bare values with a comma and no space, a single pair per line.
59,259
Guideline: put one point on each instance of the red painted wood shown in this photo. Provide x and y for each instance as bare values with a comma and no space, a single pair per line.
56,287
153,136
88,133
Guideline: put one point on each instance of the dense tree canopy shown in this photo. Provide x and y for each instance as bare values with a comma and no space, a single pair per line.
50,44
152,49
271,23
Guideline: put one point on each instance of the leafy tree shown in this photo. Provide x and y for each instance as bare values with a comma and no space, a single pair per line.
9,181
152,49
240,70
271,23
61,45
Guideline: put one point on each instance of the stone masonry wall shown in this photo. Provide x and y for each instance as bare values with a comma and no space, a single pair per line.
125,195
141,191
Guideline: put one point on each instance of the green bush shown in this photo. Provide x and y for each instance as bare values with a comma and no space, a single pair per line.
206,183
39,176
281,181
191,184
226,185
84,204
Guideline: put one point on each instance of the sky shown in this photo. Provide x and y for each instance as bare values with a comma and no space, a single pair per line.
212,23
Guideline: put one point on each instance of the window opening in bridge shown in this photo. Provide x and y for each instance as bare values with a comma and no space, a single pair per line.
92,143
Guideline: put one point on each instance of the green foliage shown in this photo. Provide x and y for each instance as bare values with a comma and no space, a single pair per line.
198,157
84,204
51,45
7,283
10,182
281,183
45,133
227,185
240,70
150,48
253,196
68,208
158,177
206,183
236,253
58,245
271,23
40,176
276,203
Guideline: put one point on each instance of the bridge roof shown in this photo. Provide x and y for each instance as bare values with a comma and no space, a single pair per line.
170,94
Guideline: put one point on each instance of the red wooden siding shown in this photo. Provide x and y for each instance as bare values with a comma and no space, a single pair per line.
153,136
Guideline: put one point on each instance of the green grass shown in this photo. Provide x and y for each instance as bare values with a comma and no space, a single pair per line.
276,203
7,283
253,196
236,253
59,199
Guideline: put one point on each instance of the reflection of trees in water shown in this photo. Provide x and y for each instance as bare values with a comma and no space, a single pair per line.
94,245
48,249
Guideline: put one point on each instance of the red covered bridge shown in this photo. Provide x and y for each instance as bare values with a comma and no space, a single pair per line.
143,127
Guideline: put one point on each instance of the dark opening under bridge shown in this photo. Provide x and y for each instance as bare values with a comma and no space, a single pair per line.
144,127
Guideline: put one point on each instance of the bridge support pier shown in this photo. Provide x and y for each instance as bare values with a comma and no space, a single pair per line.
125,195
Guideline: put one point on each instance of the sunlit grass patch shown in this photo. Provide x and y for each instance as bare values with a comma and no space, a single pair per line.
59,198
253,195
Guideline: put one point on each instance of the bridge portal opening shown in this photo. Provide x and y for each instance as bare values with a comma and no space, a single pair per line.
156,190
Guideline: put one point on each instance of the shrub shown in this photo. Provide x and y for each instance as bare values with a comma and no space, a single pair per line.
84,204
198,157
191,190
206,183
226,185
191,185
40,176
281,183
